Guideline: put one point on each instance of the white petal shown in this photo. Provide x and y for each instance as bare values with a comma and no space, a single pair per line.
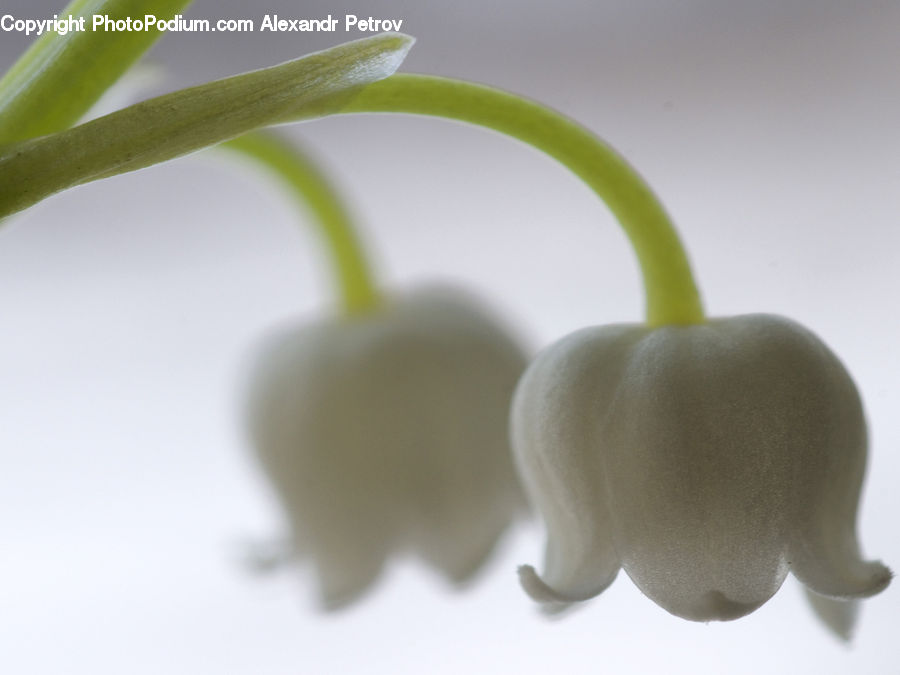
346,570
824,552
554,424
825,556
700,464
838,615
823,547
841,575
465,492
311,433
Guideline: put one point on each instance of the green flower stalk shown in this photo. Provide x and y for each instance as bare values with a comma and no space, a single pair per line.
671,294
313,191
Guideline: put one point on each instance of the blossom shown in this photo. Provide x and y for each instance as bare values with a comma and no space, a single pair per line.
705,460
387,432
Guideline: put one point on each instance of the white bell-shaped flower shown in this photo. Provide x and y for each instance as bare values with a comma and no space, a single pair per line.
706,460
387,432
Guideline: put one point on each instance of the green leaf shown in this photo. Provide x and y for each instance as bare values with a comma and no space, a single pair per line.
60,77
184,121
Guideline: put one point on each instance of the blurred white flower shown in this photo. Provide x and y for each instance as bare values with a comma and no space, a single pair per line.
707,461
387,432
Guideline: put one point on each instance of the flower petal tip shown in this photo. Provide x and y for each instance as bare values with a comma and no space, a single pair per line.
539,591
335,599
881,579
839,616
854,580
712,606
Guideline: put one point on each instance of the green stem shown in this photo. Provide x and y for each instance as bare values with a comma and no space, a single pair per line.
60,77
312,189
671,294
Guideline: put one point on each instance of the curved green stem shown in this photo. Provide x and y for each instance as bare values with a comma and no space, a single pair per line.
311,188
671,294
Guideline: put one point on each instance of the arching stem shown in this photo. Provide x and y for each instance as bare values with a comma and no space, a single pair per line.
671,294
287,163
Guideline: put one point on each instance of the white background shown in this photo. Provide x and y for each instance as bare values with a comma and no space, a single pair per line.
769,129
